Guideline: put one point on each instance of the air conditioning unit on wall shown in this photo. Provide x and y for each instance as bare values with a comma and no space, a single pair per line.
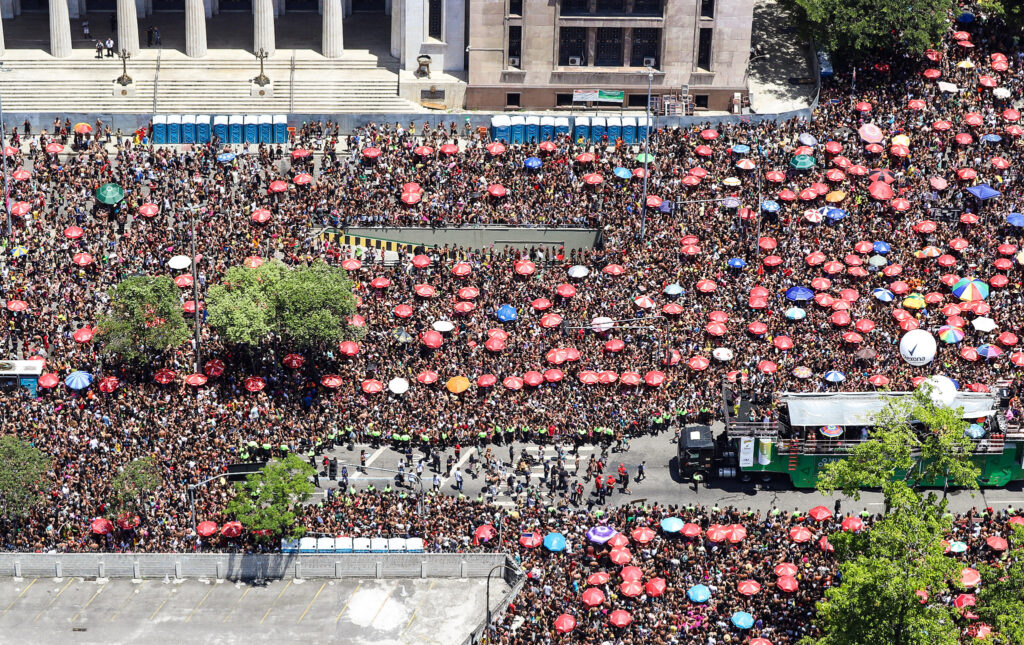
513,61
649,61
575,61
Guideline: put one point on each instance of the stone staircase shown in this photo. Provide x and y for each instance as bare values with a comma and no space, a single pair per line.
219,84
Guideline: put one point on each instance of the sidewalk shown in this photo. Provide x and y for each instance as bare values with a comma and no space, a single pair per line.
779,55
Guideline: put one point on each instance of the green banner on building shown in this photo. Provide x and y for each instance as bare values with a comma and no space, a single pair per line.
603,96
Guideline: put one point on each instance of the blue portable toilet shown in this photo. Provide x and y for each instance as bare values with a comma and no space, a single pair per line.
202,128
518,126
581,128
280,128
235,123
188,128
629,130
307,545
561,125
173,128
343,544
547,128
266,128
252,128
614,128
220,128
532,129
643,124
501,128
378,545
597,129
159,134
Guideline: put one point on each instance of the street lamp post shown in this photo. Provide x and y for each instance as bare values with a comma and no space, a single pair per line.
192,496
124,79
647,139
487,627
195,285
3,143
262,79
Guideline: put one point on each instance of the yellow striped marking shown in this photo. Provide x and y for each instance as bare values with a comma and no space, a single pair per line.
200,604
153,615
86,605
53,600
239,602
354,592
19,596
415,611
312,601
381,608
271,607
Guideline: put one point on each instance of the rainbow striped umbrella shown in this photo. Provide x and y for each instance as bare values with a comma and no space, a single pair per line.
970,289
914,301
950,334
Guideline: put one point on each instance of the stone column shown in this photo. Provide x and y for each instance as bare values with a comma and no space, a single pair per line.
263,26
127,27
3,47
333,42
60,29
195,28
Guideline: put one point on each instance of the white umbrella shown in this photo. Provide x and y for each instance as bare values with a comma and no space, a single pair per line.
1001,93
179,262
443,326
398,385
983,324
578,271
722,353
948,87
602,324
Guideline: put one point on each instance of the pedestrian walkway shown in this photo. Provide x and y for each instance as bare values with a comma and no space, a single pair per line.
780,62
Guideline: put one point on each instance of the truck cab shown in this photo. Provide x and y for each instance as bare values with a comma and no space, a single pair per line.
696,454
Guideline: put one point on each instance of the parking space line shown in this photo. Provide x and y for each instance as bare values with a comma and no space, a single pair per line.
312,601
123,605
275,602
354,592
381,608
415,611
53,600
237,603
19,596
157,611
200,604
86,605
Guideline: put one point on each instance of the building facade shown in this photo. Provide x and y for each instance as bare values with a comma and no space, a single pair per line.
535,53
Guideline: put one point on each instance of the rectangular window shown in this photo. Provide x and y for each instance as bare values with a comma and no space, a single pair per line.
435,19
700,101
572,44
610,7
707,8
513,99
575,7
646,45
636,101
563,100
515,7
515,43
646,7
609,47
704,48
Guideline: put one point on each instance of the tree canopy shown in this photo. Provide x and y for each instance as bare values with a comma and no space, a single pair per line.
307,306
145,318
1001,598
869,26
23,469
267,500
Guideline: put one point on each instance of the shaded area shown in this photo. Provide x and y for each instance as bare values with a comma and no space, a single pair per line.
778,59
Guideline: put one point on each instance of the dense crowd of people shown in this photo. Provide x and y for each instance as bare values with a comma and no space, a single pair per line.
571,345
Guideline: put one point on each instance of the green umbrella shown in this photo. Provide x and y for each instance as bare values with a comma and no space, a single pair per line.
645,157
802,162
110,194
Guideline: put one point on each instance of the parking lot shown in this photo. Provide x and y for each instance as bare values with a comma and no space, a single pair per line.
357,612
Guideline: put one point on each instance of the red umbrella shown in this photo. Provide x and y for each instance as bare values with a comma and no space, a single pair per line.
964,139
449,149
372,386
566,290
190,306
496,190
787,584
513,383
423,151
83,335
149,210
631,588
163,376
655,587
973,119
371,152
461,269
293,361
278,186
916,104
820,513
767,243
231,529
717,533
255,383
108,384
380,283
800,534
565,624
1011,114
464,307
349,348
494,344
593,179
690,530
654,378
355,320
54,148
206,529
261,216
620,556
533,378
195,380
760,641
426,377
496,148
784,343
424,290
21,208
748,587
767,367
253,262
942,125
550,320
524,267
592,597
420,261
484,533
431,339
969,577
698,363
704,151
487,380
101,526
862,106
300,153
621,617
996,543
553,375
880,190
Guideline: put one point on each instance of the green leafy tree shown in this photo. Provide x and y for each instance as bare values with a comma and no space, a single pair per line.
268,500
907,425
1001,598
136,481
882,572
1010,12
145,318
240,308
864,27
23,469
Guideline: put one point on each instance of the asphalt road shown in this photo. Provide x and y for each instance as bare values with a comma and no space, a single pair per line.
660,485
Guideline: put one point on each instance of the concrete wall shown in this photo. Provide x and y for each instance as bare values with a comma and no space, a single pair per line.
484,236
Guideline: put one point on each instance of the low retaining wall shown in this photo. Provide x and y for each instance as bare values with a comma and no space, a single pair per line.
477,237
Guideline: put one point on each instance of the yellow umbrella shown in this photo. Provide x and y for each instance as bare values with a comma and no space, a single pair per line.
965,64
901,140
914,301
457,384
731,181
835,196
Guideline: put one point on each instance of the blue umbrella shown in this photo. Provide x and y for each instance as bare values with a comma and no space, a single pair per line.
698,593
666,206
671,525
796,313
881,247
807,139
966,17
740,149
226,157
554,542
834,214
1015,219
623,173
731,202
506,313
883,295
797,294
673,289
983,192
975,431
736,263
991,138
78,380
533,163
989,351
833,376
770,206
743,620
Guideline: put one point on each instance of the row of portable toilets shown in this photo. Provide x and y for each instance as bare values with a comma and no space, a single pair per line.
531,129
352,545
236,128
